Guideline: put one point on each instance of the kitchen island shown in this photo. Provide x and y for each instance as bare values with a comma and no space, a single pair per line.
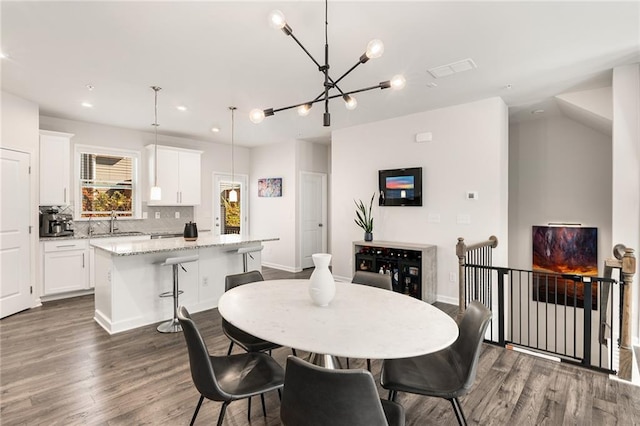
129,277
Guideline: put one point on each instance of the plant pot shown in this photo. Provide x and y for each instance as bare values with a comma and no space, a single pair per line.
368,236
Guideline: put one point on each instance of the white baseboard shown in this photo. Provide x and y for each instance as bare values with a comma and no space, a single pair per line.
282,267
65,295
447,299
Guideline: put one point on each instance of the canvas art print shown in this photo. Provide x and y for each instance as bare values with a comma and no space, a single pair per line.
270,187
563,250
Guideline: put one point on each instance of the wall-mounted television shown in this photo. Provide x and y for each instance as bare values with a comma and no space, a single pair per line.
400,187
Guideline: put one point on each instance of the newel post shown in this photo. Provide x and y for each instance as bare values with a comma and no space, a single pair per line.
461,253
628,270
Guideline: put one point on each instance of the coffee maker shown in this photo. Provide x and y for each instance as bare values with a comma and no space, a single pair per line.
54,224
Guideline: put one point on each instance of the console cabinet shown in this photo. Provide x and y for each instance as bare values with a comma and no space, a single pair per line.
413,267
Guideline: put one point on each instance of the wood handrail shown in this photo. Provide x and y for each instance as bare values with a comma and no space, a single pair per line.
461,251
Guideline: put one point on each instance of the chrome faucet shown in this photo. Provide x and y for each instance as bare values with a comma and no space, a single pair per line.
112,223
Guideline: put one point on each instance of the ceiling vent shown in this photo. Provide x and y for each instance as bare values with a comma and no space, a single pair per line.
453,68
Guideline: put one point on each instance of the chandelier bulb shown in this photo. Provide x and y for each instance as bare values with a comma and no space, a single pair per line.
375,49
350,102
398,82
256,116
277,20
304,110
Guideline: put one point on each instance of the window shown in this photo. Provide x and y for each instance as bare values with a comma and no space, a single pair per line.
107,181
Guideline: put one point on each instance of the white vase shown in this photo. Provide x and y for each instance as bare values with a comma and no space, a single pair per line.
322,287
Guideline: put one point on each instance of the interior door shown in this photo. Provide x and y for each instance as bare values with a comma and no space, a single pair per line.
15,252
313,213
230,217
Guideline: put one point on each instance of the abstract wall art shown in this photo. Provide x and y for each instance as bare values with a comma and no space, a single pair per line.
569,250
270,187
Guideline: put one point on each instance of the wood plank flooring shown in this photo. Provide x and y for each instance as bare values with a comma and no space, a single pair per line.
58,367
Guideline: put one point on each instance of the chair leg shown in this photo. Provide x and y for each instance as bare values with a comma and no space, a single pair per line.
293,351
347,362
280,394
369,364
264,409
195,413
392,395
230,348
462,421
223,409
249,409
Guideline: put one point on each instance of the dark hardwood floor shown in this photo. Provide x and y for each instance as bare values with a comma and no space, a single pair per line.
58,367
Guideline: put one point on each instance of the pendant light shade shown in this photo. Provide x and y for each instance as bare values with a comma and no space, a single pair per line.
233,194
156,191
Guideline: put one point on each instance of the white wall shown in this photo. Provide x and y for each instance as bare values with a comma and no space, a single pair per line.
275,216
626,171
19,130
469,152
559,171
216,156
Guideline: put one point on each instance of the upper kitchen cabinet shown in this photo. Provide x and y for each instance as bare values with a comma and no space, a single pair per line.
55,168
178,175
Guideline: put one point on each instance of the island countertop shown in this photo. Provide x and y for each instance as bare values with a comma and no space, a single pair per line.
132,248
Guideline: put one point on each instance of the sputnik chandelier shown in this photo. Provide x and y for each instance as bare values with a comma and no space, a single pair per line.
375,48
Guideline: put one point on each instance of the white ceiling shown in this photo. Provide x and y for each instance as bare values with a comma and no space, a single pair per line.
210,55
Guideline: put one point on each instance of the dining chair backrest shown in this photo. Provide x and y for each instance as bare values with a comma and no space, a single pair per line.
202,373
372,279
235,280
467,346
317,396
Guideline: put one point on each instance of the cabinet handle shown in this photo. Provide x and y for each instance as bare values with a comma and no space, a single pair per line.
65,195
82,260
178,197
66,245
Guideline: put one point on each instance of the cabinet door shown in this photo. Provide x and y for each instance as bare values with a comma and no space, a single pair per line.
189,178
168,177
55,149
66,270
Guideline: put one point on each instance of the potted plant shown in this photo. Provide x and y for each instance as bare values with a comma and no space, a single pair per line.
364,219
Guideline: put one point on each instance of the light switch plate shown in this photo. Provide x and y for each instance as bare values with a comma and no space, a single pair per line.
145,215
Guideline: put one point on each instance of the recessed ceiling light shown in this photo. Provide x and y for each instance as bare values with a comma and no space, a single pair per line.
87,105
89,87
215,129
508,86
537,111
181,108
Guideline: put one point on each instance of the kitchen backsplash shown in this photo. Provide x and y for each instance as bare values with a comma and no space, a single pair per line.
166,223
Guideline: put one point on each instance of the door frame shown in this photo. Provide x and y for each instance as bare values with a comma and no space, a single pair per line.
241,180
325,228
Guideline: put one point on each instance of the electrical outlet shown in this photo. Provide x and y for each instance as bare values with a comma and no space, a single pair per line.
145,215
177,215
205,281
452,277
157,215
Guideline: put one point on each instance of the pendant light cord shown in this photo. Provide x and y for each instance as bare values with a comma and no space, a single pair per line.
233,110
156,89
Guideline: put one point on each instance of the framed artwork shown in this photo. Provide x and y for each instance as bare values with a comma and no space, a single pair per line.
270,187
561,250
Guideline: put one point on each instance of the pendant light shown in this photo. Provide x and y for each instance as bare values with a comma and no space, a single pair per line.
233,194
156,191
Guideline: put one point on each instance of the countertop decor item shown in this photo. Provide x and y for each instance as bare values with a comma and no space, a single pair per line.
364,219
190,231
375,48
322,287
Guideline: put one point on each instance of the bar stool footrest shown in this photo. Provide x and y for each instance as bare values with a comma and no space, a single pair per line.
170,293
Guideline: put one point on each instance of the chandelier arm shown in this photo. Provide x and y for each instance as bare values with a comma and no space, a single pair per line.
347,73
306,51
320,97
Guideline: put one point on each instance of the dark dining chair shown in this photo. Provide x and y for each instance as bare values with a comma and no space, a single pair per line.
448,373
318,396
371,279
227,378
243,339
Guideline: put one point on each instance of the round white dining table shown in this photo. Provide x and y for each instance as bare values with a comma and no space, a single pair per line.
360,322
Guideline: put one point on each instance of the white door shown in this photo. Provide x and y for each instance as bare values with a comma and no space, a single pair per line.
230,218
15,286
313,214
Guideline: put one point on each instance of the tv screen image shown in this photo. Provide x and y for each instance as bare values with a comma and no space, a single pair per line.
400,187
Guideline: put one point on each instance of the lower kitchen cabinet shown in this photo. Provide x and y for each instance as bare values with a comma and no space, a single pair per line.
65,266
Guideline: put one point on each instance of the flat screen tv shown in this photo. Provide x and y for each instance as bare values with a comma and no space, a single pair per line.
400,187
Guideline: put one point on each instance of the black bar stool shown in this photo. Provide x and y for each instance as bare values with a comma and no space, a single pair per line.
173,325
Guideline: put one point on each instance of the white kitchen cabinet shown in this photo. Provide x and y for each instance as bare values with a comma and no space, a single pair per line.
55,168
178,175
65,266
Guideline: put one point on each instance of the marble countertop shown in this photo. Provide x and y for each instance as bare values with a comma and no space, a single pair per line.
131,248
113,235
